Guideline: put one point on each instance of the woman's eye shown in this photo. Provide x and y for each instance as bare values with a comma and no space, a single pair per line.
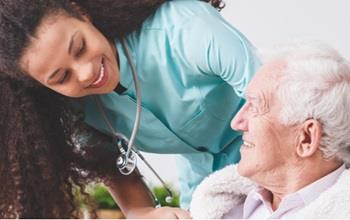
64,77
81,48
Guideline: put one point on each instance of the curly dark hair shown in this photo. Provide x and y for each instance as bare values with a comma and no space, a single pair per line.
39,169
47,152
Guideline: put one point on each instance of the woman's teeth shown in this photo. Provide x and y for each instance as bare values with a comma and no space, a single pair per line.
249,145
102,73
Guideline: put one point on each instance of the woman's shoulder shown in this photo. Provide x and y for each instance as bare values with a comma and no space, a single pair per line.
176,12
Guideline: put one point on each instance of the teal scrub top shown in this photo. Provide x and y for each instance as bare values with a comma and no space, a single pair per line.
192,66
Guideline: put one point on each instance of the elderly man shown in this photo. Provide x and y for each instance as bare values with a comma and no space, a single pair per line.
296,132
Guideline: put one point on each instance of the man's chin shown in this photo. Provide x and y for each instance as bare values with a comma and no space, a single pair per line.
242,169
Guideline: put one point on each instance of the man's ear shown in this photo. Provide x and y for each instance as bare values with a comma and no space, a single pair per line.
309,138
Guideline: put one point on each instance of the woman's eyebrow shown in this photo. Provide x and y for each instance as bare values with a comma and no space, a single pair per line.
53,74
70,46
71,43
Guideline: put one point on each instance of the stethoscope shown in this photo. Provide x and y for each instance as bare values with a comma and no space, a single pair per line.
127,160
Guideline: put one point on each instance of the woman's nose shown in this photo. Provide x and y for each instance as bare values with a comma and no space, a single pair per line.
85,73
240,122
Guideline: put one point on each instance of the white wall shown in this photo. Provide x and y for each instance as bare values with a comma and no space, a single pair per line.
266,22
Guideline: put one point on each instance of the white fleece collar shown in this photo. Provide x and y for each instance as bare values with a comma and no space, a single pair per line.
224,189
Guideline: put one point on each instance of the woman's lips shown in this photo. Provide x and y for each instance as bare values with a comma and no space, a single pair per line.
102,76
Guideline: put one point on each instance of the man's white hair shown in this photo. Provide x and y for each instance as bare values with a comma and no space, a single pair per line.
316,84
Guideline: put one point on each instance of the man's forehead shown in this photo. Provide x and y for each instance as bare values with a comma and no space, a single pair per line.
273,69
270,72
266,79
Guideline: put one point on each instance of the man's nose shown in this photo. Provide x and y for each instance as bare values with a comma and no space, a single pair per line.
85,73
240,122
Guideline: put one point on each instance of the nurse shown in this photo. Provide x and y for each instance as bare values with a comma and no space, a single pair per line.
192,65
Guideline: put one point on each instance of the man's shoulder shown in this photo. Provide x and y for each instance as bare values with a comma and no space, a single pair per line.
219,192
333,202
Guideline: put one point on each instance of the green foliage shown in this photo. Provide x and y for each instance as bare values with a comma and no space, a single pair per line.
104,200
161,193
102,197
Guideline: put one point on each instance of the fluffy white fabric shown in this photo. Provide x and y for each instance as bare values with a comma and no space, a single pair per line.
219,192
225,189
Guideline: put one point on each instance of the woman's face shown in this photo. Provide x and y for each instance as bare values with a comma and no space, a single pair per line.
71,57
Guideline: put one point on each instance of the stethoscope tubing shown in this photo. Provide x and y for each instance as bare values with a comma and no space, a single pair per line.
138,99
131,147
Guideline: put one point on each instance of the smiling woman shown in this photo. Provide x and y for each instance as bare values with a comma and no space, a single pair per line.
71,52
39,167
82,60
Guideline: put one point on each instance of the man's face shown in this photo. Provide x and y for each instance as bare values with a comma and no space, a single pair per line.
268,145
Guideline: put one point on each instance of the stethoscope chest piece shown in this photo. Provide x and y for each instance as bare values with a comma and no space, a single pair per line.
127,160
126,165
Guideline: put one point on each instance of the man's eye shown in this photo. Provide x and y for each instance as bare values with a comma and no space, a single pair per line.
253,108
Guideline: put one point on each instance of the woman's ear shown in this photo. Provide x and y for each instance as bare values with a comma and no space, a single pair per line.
309,138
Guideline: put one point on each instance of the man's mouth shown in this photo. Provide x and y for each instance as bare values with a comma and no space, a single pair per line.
248,144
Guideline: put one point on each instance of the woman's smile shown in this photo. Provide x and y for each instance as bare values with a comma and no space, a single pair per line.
102,76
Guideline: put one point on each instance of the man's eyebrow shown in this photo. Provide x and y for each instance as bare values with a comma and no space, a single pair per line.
250,96
71,43
258,100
